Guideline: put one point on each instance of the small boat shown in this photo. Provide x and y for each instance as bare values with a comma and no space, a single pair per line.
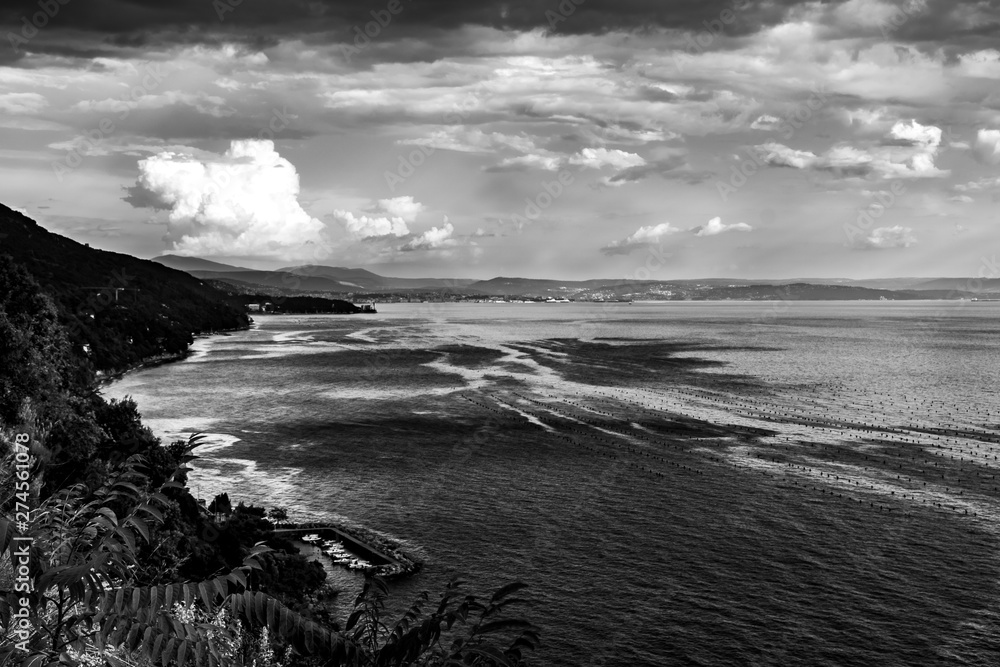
312,537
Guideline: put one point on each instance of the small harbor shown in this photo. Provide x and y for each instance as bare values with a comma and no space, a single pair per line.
370,554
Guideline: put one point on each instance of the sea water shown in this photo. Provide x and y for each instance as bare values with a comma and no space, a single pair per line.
679,483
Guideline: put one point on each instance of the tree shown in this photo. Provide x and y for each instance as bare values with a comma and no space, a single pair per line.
221,505
85,601
278,514
35,360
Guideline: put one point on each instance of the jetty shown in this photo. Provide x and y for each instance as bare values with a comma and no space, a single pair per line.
386,558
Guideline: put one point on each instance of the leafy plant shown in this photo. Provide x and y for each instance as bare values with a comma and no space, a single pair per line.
85,600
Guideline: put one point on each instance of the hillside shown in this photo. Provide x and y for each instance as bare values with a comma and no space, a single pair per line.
118,310
365,279
189,264
305,279
288,283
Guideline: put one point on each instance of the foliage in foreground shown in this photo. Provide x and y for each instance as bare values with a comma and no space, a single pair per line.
87,609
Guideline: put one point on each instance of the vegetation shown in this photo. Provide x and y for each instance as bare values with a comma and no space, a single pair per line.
90,604
126,567
278,301
117,310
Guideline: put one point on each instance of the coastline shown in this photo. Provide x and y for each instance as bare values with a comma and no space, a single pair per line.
398,563
103,379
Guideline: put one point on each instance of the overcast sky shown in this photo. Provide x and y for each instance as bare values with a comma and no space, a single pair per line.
587,138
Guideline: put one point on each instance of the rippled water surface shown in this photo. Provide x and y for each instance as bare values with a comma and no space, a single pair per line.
680,483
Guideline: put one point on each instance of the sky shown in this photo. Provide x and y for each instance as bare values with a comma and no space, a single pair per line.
567,139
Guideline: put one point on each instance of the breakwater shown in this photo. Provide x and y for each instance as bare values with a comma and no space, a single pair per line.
384,557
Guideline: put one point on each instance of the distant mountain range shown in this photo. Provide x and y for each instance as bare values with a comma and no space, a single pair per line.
308,278
362,283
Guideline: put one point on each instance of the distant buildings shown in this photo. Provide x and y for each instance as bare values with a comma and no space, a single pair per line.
259,307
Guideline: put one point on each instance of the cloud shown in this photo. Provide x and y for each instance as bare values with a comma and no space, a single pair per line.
926,136
401,207
334,18
211,105
649,235
22,103
907,151
535,161
884,238
985,63
987,146
433,238
766,122
30,124
598,158
643,237
244,202
984,183
586,158
387,217
867,13
779,155
715,226
367,226
868,119
632,133
666,162
473,140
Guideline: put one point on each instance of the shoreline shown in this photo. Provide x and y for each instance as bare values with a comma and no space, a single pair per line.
399,563
102,378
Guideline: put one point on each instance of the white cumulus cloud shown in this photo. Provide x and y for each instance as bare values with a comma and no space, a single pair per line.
435,237
387,217
243,202
641,238
371,226
908,151
597,158
766,122
715,226
919,135
987,146
401,207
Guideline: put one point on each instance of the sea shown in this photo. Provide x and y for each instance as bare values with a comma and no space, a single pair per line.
678,483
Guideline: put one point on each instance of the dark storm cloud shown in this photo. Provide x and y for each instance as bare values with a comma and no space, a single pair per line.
962,21
135,23
139,24
579,16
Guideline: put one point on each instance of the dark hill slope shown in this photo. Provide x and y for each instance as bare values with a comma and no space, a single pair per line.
189,264
157,311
